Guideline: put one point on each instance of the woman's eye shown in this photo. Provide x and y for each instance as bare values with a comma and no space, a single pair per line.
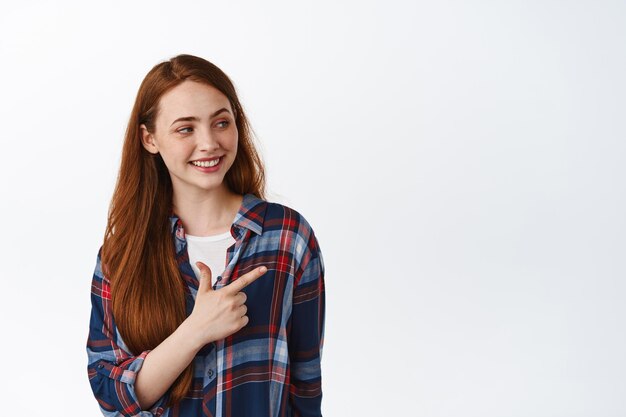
224,123
186,130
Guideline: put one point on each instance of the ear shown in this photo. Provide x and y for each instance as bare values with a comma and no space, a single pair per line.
147,140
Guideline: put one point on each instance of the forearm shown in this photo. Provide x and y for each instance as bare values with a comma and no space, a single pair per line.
216,315
164,364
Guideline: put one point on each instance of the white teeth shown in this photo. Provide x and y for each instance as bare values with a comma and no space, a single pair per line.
206,164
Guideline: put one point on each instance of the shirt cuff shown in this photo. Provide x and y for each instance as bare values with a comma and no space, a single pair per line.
123,376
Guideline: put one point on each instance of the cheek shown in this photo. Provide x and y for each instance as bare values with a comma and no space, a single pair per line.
234,139
175,156
229,144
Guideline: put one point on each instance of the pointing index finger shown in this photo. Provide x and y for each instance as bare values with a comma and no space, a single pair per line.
245,280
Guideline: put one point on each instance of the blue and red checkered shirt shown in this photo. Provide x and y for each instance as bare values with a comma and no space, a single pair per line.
272,366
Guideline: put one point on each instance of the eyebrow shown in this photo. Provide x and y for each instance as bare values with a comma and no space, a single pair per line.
196,119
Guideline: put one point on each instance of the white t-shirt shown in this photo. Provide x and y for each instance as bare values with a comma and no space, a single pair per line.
211,250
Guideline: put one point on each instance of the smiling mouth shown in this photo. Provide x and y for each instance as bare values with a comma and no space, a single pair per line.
206,164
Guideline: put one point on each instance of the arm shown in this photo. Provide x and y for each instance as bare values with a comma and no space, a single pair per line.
306,336
124,384
216,314
164,364
112,369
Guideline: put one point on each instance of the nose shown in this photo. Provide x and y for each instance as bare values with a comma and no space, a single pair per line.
207,141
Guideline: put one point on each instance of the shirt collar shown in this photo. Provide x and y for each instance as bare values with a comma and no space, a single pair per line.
250,216
251,213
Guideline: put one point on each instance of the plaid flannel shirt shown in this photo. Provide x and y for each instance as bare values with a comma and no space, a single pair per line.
272,366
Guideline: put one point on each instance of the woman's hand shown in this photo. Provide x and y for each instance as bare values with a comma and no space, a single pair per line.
219,313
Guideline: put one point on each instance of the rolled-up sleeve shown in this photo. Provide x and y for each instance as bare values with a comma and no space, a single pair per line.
306,336
111,368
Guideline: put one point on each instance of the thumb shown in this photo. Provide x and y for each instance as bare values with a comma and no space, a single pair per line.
205,277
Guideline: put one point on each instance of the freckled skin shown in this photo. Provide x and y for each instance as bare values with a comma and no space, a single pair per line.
185,141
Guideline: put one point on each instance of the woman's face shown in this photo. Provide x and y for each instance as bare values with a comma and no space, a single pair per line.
194,129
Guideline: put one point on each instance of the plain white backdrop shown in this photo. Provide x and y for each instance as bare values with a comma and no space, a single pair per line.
461,162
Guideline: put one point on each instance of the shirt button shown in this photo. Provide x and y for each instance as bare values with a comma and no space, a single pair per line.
100,366
210,372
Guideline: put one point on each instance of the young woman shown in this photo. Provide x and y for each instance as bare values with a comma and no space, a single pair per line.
207,300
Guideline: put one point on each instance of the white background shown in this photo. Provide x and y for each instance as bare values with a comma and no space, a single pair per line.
461,162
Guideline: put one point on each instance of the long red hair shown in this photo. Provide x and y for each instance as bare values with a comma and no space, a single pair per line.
138,256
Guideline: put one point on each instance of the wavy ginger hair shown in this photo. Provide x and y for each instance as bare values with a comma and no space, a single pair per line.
138,255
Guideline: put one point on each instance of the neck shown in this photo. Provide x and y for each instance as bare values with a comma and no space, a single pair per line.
208,213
